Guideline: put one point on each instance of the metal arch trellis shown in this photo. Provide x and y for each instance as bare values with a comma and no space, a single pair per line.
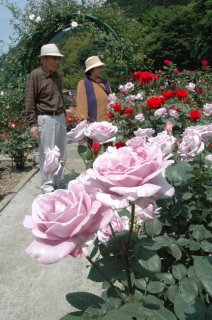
55,31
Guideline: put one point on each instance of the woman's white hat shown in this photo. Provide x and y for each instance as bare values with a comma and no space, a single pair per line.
93,62
50,50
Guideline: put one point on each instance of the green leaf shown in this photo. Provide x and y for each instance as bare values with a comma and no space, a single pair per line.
194,246
174,174
156,287
149,243
140,284
77,315
156,309
88,302
148,259
188,286
203,270
94,252
189,307
84,152
123,278
153,227
134,310
172,292
187,196
207,245
175,251
176,209
208,315
164,241
199,233
110,266
182,242
113,297
115,315
124,212
179,271
167,278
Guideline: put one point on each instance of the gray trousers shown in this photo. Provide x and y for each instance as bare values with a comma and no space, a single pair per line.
51,132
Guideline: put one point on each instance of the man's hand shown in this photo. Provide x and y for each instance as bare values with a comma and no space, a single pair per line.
34,131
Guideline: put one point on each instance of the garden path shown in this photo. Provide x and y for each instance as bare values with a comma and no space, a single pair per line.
30,290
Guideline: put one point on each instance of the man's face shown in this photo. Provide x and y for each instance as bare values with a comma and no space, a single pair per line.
51,63
96,72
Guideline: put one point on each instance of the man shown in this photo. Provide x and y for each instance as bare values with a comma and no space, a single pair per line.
45,111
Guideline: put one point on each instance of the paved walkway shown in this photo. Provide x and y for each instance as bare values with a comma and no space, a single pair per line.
28,289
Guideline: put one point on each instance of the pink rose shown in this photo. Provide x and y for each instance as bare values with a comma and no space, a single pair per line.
112,97
191,145
209,157
101,132
168,126
174,113
52,161
77,134
129,86
165,142
118,225
160,113
205,131
136,142
127,175
149,213
190,87
140,117
13,125
144,133
64,223
208,109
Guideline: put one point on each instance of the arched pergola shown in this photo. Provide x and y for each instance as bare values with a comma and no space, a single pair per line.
43,36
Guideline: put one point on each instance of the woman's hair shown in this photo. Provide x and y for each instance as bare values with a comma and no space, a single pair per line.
88,73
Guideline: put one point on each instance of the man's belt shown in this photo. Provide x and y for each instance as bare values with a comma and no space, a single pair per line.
55,113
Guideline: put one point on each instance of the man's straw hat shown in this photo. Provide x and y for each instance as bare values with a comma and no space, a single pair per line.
50,50
93,62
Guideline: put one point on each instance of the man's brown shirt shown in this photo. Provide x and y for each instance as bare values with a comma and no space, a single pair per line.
43,94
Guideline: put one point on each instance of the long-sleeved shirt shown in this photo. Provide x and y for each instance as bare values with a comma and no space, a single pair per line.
101,99
43,94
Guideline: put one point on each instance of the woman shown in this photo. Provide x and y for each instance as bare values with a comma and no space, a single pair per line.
92,93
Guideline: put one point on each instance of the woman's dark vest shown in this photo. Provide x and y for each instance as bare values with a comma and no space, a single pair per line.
91,97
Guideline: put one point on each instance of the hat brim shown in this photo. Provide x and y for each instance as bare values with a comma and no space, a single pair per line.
51,54
98,64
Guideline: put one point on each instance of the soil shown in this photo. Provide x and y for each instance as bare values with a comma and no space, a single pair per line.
10,178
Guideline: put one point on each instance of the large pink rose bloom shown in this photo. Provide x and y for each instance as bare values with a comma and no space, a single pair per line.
52,161
208,109
165,142
64,223
160,113
149,213
101,132
204,131
136,142
118,224
77,134
144,133
126,175
191,146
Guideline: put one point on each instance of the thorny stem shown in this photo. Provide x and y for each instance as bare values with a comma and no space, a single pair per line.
127,270
131,225
108,280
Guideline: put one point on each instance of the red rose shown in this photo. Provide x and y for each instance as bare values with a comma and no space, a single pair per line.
204,63
195,115
207,69
4,136
95,147
167,62
123,78
117,107
177,109
198,90
110,115
181,94
177,72
119,145
155,78
146,77
168,95
155,102
129,111
210,146
136,75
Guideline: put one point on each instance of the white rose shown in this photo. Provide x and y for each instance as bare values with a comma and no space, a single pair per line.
160,113
165,142
38,19
32,17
